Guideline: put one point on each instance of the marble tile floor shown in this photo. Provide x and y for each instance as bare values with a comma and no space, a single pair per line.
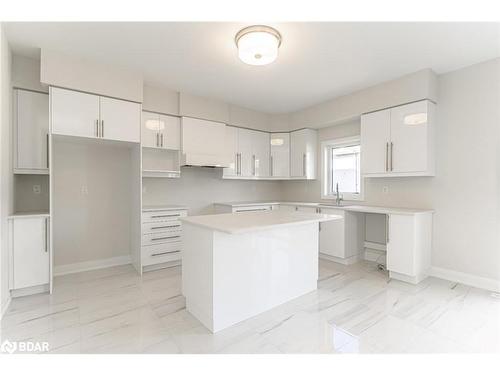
356,309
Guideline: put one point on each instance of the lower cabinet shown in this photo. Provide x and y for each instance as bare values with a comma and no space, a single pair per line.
409,246
29,251
161,236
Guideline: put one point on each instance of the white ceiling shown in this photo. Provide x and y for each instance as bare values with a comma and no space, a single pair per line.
317,61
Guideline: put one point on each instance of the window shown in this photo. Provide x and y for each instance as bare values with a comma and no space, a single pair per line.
341,165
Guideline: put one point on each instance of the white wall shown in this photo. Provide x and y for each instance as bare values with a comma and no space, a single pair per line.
94,225
465,192
199,188
6,200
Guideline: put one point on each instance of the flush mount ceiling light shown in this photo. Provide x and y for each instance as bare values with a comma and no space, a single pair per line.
258,45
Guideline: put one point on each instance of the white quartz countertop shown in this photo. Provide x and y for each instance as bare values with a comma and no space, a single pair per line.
354,208
244,222
165,207
27,215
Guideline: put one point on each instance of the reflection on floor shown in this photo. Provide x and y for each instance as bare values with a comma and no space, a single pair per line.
355,309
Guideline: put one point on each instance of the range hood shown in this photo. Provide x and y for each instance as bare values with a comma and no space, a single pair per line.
203,143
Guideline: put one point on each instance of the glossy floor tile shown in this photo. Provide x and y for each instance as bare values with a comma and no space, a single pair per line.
356,309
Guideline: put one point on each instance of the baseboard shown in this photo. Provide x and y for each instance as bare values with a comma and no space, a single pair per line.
5,307
37,289
345,261
466,278
91,265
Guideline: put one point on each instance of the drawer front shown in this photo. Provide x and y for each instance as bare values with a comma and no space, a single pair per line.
158,227
161,253
160,238
155,216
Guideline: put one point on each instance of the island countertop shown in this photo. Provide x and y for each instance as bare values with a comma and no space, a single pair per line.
244,222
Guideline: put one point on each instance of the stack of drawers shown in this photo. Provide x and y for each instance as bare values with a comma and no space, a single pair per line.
161,236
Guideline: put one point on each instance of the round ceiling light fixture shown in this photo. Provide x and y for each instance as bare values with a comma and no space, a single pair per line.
258,44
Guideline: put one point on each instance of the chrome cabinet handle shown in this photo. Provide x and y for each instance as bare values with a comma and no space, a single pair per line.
304,165
102,128
387,228
97,128
47,150
386,156
161,139
157,139
163,238
166,226
46,235
158,216
272,166
391,156
165,252
254,168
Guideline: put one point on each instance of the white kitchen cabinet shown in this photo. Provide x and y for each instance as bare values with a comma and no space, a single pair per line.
303,153
86,115
280,155
160,131
31,135
409,246
74,113
233,152
399,141
332,235
120,120
203,143
29,251
260,154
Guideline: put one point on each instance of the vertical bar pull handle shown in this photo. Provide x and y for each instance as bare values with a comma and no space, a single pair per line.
272,166
254,168
97,128
386,156
304,165
46,234
391,155
161,137
47,150
387,223
102,128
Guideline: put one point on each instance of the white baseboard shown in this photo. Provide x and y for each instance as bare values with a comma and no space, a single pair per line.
91,265
5,307
466,278
345,261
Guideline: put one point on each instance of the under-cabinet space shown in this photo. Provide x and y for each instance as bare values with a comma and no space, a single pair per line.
157,162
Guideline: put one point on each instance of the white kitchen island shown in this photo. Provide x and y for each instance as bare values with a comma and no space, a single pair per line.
238,265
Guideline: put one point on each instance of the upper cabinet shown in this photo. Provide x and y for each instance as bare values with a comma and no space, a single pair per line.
85,115
249,155
203,143
303,153
161,131
399,141
31,134
280,155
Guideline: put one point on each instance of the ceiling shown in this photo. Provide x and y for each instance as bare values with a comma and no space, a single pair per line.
316,62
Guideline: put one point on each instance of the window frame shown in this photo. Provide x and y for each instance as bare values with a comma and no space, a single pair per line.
325,166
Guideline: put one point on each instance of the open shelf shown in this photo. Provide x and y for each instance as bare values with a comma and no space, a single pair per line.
161,163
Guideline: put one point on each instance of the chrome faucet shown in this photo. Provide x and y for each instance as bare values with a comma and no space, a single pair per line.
338,198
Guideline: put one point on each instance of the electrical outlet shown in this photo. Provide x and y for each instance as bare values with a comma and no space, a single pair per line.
385,190
85,190
37,189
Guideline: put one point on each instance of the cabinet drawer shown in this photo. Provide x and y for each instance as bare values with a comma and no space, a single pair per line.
155,216
157,227
161,253
159,238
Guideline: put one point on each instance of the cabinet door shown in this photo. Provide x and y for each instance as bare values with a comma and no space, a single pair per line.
332,235
30,252
303,153
245,140
375,142
308,209
120,120
74,113
232,150
32,126
261,157
280,155
150,130
409,129
401,244
170,136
